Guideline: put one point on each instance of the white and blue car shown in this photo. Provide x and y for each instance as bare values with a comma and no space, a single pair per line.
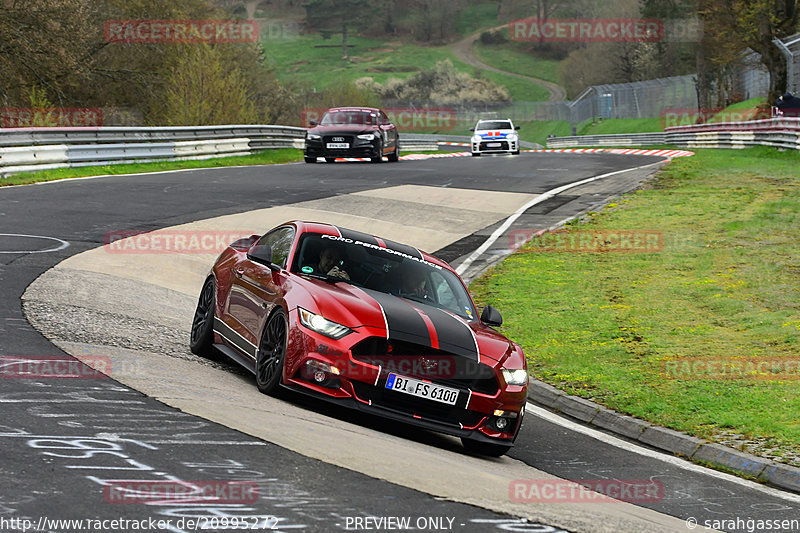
494,137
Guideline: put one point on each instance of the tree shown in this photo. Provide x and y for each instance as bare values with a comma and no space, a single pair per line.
735,25
338,16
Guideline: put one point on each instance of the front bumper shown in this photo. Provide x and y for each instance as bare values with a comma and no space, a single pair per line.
495,146
357,148
362,386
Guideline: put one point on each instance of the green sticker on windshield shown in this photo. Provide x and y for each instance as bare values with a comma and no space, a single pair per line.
307,269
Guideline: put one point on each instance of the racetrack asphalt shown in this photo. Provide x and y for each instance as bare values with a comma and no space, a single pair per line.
82,212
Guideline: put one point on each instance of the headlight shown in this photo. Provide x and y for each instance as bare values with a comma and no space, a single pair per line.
515,377
476,138
322,325
314,137
367,136
512,137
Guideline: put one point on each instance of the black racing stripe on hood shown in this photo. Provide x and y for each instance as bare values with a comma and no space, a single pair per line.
404,322
454,335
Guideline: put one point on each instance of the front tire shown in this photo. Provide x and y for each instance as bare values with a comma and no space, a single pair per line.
201,340
476,154
271,354
330,159
395,156
310,159
484,448
379,157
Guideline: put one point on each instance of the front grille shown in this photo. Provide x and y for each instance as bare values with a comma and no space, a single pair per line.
330,139
503,145
409,405
424,362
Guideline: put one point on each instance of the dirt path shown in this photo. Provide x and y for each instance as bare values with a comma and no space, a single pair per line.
464,52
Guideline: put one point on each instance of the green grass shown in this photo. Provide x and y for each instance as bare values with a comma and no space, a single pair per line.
510,58
476,17
725,285
318,62
266,157
622,125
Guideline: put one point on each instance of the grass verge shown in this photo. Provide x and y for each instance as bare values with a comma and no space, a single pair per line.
266,157
623,329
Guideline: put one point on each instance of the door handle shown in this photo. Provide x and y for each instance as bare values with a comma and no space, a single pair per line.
239,272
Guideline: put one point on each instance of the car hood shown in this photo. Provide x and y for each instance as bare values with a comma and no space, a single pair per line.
494,134
406,320
349,129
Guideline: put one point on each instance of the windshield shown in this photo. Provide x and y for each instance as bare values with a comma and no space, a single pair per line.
494,125
385,270
361,118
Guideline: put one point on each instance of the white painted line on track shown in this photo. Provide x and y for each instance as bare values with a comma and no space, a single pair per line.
63,244
539,199
653,454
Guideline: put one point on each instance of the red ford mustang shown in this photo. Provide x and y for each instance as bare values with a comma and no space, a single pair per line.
367,323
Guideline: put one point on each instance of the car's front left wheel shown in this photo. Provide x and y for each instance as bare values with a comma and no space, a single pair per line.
272,353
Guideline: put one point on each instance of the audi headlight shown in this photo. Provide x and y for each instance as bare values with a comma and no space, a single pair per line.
515,377
367,136
322,325
314,137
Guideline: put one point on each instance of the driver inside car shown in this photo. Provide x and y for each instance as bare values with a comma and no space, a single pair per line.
330,263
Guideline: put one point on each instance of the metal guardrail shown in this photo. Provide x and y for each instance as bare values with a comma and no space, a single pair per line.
30,149
27,149
782,133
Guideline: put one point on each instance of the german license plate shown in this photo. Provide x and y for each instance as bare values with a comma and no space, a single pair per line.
338,145
493,145
422,389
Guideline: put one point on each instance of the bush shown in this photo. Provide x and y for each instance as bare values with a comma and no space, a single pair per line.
441,84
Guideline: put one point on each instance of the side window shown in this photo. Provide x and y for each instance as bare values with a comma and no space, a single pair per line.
281,241
384,119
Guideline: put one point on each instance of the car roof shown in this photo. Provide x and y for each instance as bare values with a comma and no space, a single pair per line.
364,109
331,229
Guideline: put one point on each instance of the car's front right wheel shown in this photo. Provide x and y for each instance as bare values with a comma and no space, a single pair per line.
271,354
202,334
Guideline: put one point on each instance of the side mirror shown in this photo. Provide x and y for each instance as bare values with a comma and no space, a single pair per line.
262,254
516,127
491,316
313,122
472,129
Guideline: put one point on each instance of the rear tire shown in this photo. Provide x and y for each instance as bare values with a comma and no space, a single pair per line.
272,353
201,341
485,448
